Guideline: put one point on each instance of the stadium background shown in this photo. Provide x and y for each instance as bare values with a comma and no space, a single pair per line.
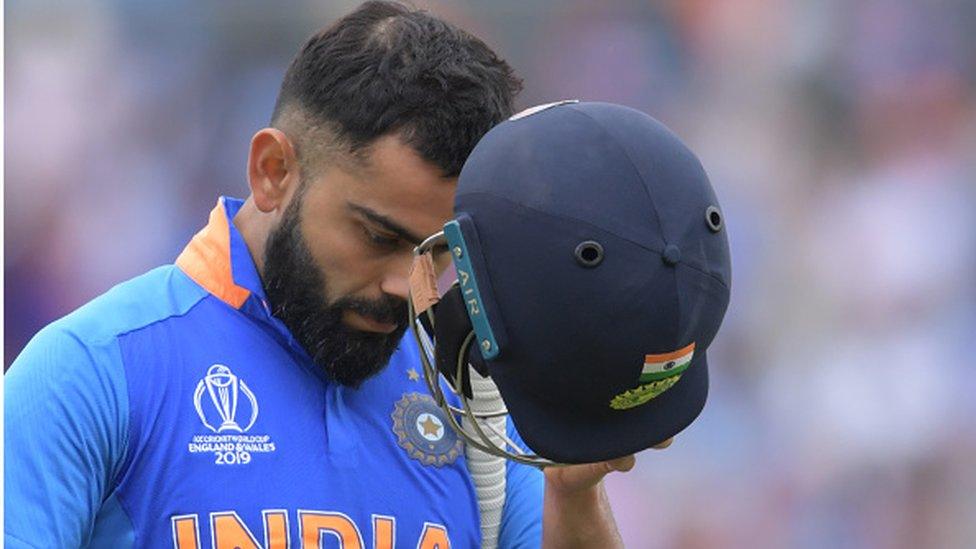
841,139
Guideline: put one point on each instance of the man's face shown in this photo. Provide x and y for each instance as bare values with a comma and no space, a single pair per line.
336,266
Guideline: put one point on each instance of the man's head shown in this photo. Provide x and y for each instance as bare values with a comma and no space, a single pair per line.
375,117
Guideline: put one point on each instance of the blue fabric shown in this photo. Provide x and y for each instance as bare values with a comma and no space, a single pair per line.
66,411
522,515
242,266
62,439
158,413
112,526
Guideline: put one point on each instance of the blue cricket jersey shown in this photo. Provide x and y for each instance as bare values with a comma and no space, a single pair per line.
176,411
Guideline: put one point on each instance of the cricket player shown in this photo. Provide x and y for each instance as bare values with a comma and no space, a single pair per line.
259,392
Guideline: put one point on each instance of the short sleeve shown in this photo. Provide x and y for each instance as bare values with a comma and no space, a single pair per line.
65,424
522,515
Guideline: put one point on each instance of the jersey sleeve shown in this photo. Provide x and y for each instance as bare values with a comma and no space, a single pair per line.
522,515
66,412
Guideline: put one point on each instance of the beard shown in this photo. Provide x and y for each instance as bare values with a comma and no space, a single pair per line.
297,291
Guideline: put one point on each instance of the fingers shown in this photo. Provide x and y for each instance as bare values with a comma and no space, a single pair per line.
664,444
623,464
627,463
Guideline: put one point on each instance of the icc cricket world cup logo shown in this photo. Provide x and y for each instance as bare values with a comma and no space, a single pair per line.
224,389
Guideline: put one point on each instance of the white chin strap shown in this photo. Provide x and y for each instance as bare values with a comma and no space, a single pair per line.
487,470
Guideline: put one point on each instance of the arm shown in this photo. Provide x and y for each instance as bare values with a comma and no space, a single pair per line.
65,406
576,512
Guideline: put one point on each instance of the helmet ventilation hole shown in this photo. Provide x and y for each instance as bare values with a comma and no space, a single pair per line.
713,218
589,253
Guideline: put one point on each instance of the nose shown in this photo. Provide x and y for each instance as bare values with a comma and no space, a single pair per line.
396,279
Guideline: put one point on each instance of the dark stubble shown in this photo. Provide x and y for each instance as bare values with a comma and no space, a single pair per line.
297,291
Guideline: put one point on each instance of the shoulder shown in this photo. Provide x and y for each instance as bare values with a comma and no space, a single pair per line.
78,355
160,294
66,407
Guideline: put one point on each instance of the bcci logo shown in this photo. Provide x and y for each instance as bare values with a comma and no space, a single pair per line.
225,391
422,431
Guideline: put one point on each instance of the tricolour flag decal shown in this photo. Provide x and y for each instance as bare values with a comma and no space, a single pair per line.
665,365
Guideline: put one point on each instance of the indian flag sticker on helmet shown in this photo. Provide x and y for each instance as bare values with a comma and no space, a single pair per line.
659,373
666,364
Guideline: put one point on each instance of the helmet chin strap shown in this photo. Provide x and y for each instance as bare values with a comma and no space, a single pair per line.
487,470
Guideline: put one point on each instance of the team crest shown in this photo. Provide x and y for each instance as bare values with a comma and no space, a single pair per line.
660,373
423,431
642,394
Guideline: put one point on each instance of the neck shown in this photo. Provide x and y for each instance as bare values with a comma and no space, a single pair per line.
254,226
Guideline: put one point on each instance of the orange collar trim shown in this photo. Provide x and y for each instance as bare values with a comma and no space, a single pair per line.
206,259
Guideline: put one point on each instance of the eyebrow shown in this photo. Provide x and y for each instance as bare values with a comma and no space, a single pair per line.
387,223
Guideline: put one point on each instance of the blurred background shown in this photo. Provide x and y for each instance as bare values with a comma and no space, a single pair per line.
840,137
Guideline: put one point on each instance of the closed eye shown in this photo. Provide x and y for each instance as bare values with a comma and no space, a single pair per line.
380,240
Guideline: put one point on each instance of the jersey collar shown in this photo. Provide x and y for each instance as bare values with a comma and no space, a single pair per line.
217,258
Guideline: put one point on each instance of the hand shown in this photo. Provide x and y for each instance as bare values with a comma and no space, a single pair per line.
572,479
576,511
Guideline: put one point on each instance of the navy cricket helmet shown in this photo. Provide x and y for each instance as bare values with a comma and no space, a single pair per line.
593,273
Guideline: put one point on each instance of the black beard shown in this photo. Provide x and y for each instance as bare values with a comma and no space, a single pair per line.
297,290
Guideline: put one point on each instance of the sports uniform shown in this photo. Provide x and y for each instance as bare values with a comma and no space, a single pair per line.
176,411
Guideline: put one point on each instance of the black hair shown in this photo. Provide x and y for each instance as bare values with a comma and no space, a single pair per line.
386,68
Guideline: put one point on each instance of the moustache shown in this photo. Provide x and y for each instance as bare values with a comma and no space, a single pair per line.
388,310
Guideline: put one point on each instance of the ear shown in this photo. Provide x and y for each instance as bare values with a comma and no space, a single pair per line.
272,168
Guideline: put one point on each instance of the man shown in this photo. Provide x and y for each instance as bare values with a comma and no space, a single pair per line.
259,392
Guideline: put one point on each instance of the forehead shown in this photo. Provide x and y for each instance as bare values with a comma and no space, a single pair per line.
392,180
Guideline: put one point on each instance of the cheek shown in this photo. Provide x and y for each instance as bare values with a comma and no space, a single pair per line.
341,257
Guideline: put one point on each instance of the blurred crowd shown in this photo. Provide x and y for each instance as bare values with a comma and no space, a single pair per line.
840,137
